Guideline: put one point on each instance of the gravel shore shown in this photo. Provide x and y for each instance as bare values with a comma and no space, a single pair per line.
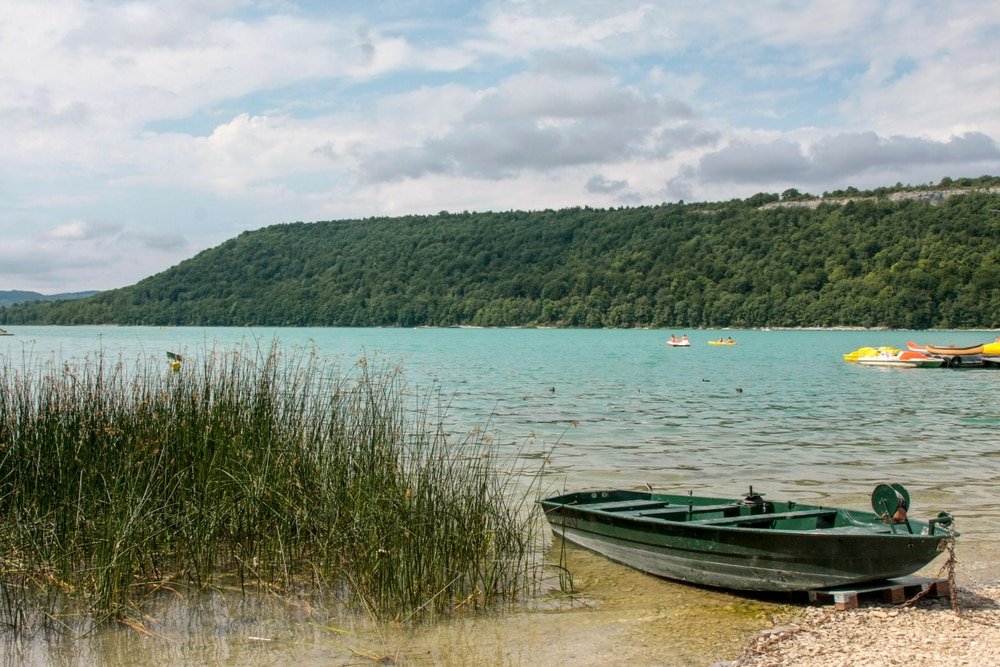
927,633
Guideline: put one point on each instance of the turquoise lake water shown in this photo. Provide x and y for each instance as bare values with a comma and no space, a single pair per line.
780,410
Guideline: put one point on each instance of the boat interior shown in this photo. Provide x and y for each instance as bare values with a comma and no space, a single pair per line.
751,512
736,514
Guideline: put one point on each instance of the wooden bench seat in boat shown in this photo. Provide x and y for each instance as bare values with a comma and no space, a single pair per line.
636,504
659,509
772,516
680,512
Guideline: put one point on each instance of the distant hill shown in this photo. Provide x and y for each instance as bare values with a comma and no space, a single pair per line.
11,297
896,257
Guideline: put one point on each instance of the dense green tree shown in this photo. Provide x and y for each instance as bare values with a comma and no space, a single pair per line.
869,261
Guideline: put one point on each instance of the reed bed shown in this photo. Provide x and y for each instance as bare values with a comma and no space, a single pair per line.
273,470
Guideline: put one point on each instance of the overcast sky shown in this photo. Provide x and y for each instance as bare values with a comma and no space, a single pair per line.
135,134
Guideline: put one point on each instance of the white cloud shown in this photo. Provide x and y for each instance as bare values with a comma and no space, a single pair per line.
82,256
847,154
134,132
536,121
80,230
838,158
764,162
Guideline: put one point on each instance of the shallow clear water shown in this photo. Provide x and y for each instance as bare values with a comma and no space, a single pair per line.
780,410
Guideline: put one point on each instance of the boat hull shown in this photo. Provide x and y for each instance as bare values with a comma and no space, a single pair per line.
892,358
866,352
901,363
972,350
740,558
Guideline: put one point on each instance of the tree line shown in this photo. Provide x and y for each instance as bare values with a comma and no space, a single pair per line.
859,260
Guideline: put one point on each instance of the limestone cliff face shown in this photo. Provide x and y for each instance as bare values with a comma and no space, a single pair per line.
938,196
932,196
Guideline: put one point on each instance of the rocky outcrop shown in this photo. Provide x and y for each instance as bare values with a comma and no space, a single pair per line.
932,196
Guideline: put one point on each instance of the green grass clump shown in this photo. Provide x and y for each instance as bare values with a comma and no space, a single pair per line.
275,471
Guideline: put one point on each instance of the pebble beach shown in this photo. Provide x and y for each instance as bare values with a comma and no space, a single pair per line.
939,632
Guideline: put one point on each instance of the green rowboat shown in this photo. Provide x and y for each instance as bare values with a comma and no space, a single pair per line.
750,544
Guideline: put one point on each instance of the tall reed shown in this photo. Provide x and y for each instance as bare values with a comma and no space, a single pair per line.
271,467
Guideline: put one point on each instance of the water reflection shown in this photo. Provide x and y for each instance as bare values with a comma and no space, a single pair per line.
616,616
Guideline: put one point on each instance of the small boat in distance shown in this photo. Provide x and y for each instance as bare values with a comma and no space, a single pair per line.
750,544
900,359
723,341
4,332
852,357
969,356
948,350
679,342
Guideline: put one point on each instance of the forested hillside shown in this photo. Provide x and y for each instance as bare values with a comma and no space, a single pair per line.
868,262
8,298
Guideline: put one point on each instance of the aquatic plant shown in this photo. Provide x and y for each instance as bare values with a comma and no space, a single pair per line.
274,470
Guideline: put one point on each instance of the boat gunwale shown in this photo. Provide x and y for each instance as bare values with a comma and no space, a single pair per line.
856,530
858,523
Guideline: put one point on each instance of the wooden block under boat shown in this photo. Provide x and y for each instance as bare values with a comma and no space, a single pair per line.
893,591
